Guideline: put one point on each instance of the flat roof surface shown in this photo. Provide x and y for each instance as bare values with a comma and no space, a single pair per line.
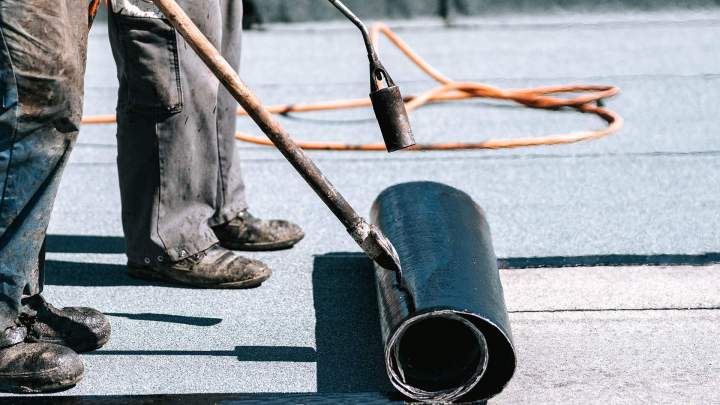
623,333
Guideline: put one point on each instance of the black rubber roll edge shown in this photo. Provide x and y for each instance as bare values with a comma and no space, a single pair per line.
445,329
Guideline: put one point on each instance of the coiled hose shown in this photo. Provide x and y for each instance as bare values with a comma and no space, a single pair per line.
590,100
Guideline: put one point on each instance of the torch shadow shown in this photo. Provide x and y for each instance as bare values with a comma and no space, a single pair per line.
347,329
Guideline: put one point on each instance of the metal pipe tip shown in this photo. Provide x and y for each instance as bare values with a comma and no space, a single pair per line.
388,262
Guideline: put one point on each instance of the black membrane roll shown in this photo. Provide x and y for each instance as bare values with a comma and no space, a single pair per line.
445,325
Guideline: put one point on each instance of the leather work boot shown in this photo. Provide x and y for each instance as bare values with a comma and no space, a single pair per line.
79,328
215,267
253,234
36,367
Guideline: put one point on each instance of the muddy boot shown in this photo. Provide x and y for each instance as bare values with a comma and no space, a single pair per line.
79,328
249,233
36,367
216,267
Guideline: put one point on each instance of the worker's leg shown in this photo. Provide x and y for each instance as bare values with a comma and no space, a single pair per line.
234,226
42,62
168,155
178,176
169,158
231,189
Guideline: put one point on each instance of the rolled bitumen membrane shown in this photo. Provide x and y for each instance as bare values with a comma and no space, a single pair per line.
444,322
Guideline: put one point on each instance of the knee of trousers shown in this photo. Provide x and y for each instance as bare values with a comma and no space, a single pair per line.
42,66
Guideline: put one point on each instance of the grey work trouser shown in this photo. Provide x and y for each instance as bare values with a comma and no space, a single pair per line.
178,174
42,65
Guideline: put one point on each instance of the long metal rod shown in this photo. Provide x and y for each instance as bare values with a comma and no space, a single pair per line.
368,237
372,55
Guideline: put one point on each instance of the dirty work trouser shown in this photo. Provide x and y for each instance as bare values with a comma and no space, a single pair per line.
178,174
42,64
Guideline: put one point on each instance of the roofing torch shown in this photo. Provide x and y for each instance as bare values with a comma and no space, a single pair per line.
387,103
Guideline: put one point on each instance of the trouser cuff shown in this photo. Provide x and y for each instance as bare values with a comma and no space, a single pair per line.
182,250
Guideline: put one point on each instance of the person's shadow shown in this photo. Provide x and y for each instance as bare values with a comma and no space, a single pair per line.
107,275
349,348
83,274
347,329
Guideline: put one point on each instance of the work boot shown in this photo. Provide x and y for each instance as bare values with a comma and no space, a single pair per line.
215,267
36,367
249,233
79,328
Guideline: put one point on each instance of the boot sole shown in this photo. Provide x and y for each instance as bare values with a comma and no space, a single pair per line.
145,274
77,348
262,247
21,388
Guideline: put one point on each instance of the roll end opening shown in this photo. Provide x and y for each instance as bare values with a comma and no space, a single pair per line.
441,355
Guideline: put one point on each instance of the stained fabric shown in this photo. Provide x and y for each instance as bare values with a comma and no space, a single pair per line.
136,8
445,324
179,175
42,64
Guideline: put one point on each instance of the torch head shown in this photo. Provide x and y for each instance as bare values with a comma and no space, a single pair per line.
390,112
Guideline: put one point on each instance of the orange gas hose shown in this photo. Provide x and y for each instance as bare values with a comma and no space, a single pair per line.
589,100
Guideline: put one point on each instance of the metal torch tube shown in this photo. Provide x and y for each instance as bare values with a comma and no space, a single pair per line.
372,55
